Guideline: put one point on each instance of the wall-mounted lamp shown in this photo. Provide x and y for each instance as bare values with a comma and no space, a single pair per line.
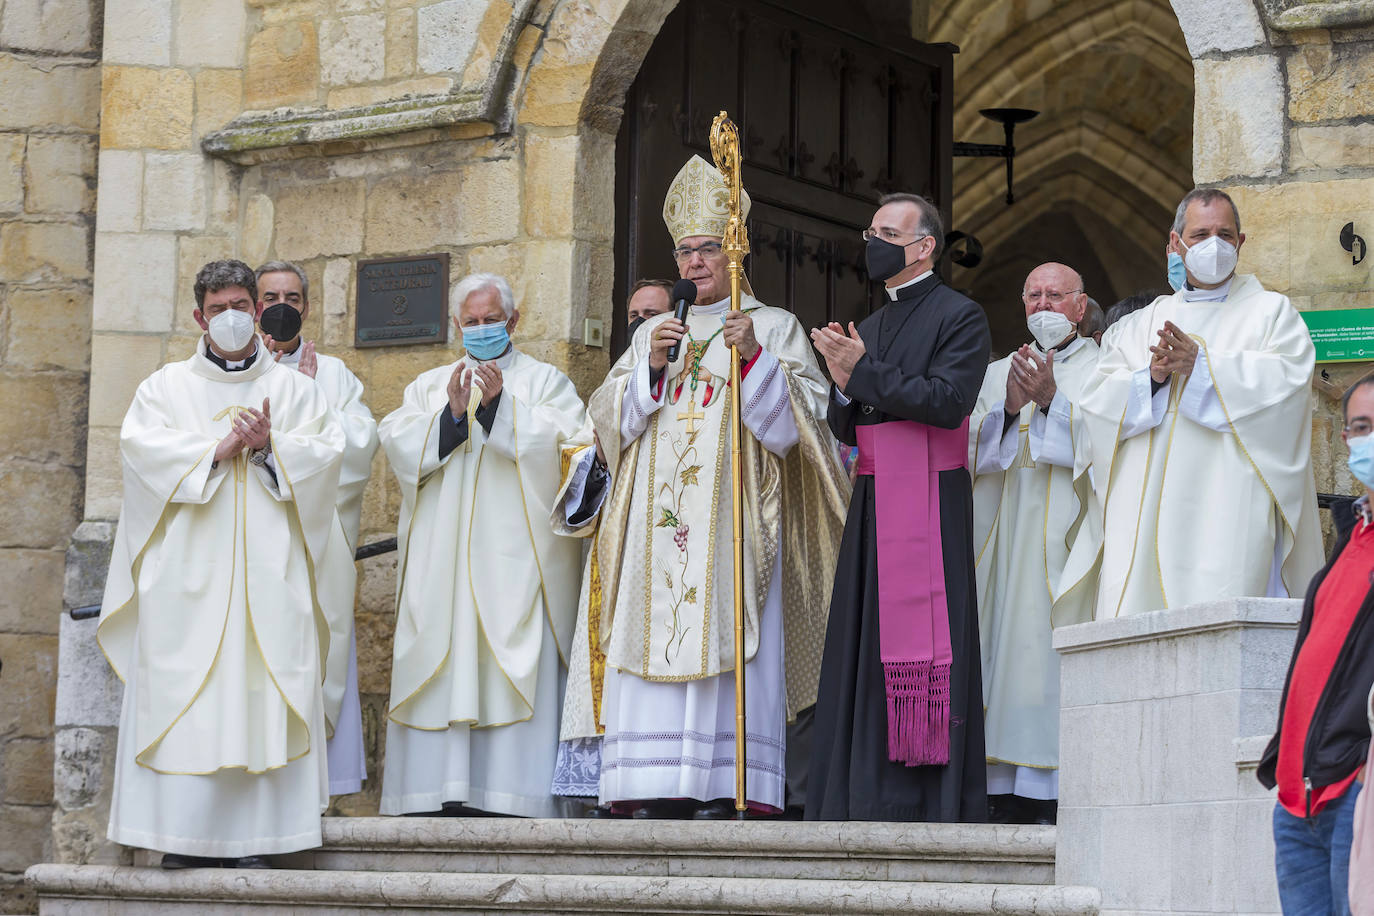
1353,243
964,249
1008,118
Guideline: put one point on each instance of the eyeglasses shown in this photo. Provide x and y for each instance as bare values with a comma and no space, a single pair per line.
888,234
707,250
1359,428
1054,297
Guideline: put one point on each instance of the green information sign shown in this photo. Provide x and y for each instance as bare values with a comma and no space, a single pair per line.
1342,335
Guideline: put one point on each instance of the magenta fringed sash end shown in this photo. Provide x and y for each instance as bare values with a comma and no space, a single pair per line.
905,460
917,713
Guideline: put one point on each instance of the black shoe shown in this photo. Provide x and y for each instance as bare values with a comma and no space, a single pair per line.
602,812
720,809
662,809
252,862
173,861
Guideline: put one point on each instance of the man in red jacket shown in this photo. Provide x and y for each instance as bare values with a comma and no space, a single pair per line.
1319,747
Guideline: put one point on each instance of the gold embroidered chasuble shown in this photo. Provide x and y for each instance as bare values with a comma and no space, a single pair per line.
481,578
1191,513
197,545
663,545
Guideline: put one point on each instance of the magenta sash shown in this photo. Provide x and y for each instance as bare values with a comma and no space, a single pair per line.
905,460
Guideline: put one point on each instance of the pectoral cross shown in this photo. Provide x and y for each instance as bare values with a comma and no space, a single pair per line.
692,416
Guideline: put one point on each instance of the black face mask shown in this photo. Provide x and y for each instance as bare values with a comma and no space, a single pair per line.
634,326
280,322
884,259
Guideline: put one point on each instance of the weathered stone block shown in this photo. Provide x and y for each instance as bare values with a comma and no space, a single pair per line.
44,252
209,33
25,828
80,754
31,601
12,172
1238,127
374,652
63,26
219,99
144,108
43,94
400,43
446,33
174,191
1320,261
350,51
134,278
138,32
121,362
104,485
1336,146
363,96
1330,82
86,562
256,238
119,197
416,212
283,66
31,674
44,417
554,95
60,174
1212,26
320,220
26,769
39,507
89,692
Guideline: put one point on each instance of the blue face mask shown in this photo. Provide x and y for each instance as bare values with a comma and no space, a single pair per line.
486,341
1361,460
1178,273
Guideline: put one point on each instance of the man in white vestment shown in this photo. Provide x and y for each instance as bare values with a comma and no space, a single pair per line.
210,614
1032,496
1200,417
650,669
486,592
284,294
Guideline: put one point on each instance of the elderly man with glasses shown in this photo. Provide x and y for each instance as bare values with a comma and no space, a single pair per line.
1032,496
651,664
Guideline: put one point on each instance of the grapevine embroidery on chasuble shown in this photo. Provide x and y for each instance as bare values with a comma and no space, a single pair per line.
681,531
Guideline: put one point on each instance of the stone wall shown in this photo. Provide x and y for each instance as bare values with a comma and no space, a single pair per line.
49,113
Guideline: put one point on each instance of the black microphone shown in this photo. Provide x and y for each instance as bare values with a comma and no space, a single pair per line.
684,296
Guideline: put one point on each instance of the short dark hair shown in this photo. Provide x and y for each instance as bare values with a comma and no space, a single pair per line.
1094,319
1123,308
931,224
1361,382
644,284
218,275
1202,196
286,267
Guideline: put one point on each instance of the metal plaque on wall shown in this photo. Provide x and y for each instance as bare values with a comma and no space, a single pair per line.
402,301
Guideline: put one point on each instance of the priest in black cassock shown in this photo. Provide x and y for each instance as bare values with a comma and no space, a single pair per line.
899,719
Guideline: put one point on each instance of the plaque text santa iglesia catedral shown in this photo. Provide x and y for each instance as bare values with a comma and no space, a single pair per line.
402,300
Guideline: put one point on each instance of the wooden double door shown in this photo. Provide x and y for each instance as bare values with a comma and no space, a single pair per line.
832,114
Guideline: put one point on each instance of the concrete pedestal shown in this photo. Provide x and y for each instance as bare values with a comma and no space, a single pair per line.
1163,718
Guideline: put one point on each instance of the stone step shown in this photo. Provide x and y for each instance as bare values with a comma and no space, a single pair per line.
835,851
86,890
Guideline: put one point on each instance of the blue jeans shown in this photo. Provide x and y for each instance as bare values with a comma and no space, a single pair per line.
1312,858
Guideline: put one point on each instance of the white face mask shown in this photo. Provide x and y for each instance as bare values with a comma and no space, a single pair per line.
231,330
1049,328
1212,260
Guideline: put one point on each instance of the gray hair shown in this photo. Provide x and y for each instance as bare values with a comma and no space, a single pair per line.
930,224
1202,196
474,282
218,275
287,267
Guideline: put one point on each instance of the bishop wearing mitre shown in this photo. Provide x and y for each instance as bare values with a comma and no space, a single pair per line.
211,615
660,691
1032,498
485,592
1200,417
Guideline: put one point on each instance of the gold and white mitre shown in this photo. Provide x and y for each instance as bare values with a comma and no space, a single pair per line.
698,202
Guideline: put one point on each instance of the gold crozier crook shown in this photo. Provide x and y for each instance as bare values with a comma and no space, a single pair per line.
725,151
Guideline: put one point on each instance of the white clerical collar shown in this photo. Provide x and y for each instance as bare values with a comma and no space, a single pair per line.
293,358
232,365
1208,295
715,308
502,362
892,290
